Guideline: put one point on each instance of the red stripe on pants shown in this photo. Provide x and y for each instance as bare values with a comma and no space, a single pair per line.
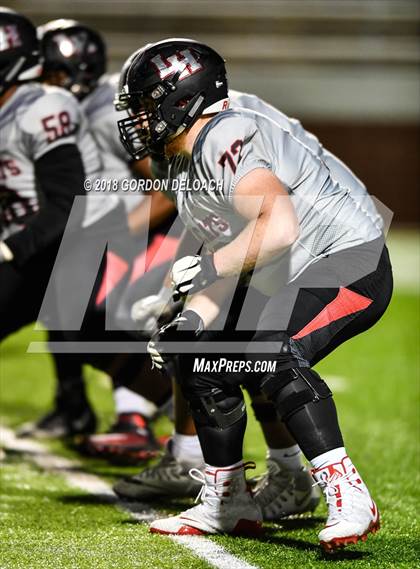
346,302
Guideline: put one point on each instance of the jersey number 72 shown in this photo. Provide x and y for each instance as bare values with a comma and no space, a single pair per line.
227,157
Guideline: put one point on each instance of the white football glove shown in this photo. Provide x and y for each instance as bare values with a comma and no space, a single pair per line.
187,327
147,311
5,253
192,273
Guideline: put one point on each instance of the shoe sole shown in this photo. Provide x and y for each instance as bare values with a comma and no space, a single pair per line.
149,493
246,528
341,542
117,454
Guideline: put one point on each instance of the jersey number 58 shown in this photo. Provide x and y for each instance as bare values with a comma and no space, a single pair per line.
57,126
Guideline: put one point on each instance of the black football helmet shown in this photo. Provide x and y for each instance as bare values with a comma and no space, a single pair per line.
76,49
166,87
19,50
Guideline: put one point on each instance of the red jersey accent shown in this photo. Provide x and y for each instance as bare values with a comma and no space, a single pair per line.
155,255
115,270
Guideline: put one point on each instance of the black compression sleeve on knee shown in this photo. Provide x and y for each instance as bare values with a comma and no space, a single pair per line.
315,428
305,404
222,447
265,412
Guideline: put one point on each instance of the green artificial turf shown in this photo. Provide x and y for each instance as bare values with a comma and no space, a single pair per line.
46,524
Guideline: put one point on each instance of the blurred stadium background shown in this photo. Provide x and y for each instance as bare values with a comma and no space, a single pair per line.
349,69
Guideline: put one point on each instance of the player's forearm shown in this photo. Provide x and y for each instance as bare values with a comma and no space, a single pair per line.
261,241
208,302
142,168
150,214
188,245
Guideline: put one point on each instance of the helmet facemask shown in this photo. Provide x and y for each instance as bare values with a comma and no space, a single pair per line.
156,117
78,79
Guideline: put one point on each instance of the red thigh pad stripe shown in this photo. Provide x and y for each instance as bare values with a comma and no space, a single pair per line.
345,303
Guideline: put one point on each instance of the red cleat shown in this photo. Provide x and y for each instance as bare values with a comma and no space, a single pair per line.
129,441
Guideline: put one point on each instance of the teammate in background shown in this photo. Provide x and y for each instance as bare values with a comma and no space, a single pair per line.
75,58
288,230
46,152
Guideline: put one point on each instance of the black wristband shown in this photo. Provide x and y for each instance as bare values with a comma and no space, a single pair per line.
194,322
208,273
187,323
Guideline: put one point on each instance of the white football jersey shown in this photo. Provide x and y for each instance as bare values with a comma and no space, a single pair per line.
237,141
99,109
35,120
338,170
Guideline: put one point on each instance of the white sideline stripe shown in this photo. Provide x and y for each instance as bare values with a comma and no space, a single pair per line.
72,471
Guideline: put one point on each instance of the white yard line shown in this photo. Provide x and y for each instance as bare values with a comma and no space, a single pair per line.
72,472
214,554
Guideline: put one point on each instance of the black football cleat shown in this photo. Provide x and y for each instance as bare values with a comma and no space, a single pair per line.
60,423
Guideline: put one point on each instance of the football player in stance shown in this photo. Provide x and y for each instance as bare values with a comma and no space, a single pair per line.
270,218
74,58
287,487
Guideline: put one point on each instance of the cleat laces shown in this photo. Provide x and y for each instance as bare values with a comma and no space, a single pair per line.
213,493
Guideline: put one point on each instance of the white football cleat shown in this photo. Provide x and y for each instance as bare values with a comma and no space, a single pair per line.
167,478
281,492
352,514
227,506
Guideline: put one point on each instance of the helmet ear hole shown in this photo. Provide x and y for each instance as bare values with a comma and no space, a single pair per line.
182,103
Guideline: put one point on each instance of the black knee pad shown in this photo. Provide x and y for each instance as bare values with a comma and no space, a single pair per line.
292,389
219,408
265,412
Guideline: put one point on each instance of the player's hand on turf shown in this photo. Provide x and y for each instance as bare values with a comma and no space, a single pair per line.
191,274
186,327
